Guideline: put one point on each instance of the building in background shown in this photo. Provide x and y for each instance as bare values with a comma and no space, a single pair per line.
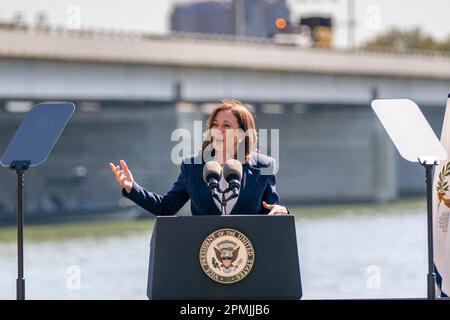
278,17
203,17
250,18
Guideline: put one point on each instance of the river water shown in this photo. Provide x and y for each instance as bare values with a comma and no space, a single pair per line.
350,255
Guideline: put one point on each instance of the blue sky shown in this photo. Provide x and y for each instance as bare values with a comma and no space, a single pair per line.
372,16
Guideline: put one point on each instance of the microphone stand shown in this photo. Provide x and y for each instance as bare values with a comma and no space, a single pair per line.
224,200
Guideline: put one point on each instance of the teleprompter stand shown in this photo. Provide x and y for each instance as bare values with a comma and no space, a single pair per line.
415,140
31,146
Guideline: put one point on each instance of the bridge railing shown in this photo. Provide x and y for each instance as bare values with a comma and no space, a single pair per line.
135,35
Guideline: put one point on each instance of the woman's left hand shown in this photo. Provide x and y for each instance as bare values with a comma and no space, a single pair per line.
275,209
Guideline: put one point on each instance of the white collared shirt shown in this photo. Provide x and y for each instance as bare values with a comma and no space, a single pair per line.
231,203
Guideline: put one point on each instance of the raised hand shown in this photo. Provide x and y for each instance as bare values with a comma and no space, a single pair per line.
123,176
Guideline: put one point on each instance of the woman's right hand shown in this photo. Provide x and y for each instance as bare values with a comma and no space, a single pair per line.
123,176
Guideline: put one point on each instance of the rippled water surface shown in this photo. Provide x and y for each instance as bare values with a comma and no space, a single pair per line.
350,255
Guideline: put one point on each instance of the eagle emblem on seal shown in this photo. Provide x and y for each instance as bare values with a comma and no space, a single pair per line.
226,256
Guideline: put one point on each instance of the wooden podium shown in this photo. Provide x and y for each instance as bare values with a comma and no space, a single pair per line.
224,257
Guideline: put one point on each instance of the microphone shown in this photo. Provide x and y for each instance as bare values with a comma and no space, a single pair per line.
232,172
211,175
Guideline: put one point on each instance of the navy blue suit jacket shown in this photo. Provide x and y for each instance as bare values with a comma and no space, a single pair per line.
257,184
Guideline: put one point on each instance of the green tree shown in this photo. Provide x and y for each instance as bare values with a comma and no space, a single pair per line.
445,46
415,38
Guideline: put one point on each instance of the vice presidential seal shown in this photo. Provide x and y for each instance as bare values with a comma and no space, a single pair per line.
227,256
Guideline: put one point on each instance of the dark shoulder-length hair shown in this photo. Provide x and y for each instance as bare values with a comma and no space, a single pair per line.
246,123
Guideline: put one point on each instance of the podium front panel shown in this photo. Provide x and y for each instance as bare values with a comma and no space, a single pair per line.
273,269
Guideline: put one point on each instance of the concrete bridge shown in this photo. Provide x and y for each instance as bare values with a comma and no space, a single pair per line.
132,90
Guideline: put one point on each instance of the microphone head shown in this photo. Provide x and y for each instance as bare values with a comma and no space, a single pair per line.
232,169
212,169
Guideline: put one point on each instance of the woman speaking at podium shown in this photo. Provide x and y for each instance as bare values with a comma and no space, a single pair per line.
257,194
